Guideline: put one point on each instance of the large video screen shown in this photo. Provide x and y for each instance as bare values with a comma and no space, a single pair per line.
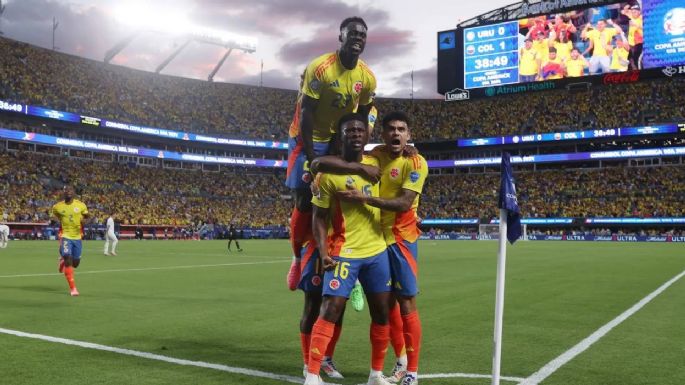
618,37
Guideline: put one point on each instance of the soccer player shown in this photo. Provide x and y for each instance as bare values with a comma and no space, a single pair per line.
351,246
110,237
69,212
4,235
233,236
530,62
402,180
334,84
600,42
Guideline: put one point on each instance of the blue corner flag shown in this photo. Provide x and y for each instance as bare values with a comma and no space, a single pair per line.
508,200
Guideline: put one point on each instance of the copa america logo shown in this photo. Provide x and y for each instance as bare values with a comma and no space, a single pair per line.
674,22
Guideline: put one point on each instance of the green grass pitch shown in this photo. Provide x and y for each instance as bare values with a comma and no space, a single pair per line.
194,301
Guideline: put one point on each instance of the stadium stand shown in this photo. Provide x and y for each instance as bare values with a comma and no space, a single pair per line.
37,76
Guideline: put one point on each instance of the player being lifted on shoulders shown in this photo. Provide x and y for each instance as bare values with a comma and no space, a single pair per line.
351,246
333,84
402,180
69,212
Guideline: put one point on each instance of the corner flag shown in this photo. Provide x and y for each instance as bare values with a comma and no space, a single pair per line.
509,224
508,200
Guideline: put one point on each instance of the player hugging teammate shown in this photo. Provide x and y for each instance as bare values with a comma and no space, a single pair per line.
360,229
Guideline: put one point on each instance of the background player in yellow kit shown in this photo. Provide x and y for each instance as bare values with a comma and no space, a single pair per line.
69,212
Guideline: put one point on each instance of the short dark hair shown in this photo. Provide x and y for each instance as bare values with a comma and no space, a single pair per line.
552,49
353,19
350,117
395,115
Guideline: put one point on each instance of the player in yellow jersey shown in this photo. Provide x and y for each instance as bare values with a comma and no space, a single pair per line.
351,246
69,212
576,64
403,174
334,84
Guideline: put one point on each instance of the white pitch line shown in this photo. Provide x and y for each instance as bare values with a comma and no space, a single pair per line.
157,357
570,354
148,269
468,375
208,365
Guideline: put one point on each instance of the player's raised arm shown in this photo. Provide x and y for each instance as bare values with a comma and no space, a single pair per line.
336,165
399,204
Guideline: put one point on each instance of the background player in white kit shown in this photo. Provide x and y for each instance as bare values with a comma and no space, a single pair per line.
4,235
110,237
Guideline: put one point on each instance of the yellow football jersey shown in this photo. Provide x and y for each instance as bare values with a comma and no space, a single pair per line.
398,174
600,40
354,230
575,68
619,59
339,91
529,64
69,216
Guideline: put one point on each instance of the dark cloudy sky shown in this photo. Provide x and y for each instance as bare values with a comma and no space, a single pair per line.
402,35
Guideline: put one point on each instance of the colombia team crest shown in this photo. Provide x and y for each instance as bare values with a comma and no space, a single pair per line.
334,284
358,87
394,173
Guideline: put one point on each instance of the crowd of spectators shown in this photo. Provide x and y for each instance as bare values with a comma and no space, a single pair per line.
606,192
38,76
30,183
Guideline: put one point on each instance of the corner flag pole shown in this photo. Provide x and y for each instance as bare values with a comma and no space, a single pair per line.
509,229
499,297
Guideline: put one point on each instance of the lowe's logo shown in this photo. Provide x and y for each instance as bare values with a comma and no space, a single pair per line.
457,94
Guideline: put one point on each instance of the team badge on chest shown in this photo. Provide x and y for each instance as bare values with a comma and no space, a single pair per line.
394,173
358,87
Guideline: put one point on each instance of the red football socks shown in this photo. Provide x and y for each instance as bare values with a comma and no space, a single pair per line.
322,332
412,337
380,336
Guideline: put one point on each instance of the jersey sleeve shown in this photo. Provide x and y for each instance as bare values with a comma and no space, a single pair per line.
326,191
313,80
54,212
416,175
84,209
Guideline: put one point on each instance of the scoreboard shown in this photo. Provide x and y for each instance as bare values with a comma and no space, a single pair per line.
491,55
483,60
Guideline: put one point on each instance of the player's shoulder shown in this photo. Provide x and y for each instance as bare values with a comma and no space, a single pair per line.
321,63
371,160
417,162
365,68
